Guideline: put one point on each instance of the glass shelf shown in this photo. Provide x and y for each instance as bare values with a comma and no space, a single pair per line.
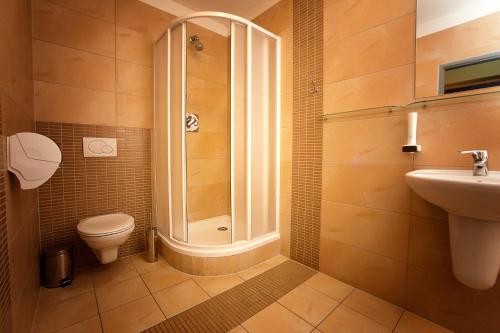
418,104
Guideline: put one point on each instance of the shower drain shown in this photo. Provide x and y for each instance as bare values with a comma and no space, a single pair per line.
222,228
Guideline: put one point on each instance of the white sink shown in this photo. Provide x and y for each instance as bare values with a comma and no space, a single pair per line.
473,206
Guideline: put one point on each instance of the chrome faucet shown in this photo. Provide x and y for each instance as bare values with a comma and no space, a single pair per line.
480,158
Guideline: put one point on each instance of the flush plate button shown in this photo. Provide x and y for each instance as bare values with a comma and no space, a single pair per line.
99,147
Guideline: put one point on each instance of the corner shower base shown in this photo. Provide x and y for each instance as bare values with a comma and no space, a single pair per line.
221,265
205,232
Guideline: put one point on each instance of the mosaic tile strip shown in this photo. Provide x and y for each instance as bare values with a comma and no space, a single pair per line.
233,307
307,131
84,187
5,303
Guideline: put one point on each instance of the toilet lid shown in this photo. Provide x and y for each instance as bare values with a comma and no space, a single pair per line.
105,224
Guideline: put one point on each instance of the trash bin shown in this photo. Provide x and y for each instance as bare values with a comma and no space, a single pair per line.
57,266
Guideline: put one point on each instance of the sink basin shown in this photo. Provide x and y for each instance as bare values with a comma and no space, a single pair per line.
473,206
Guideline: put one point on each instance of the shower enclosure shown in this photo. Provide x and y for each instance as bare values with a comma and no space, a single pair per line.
216,135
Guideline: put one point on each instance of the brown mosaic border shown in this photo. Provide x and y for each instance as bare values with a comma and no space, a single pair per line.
84,187
233,307
5,302
307,137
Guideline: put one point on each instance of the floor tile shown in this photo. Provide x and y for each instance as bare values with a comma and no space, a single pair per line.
53,317
308,304
374,308
345,320
143,267
253,271
329,286
276,318
111,295
92,325
132,317
238,329
276,260
115,272
164,278
81,284
411,323
215,285
180,297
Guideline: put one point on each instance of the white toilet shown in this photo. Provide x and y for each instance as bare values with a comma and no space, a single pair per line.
105,233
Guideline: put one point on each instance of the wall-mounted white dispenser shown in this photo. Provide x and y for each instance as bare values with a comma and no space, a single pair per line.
33,158
411,144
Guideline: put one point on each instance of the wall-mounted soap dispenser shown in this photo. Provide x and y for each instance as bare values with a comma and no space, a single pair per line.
411,144
33,158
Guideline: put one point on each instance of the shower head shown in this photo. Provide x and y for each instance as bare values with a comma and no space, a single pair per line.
195,40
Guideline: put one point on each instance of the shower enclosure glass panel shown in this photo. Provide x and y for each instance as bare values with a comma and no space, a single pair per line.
208,153
222,130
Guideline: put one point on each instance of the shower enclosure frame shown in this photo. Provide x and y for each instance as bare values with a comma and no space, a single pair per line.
182,246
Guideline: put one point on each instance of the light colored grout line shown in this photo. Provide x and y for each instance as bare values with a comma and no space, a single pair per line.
335,308
96,302
81,12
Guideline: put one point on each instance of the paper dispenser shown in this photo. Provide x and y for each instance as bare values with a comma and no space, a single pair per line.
33,158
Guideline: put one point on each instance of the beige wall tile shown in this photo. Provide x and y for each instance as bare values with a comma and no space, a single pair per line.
205,93
57,24
389,87
429,245
153,21
381,276
442,299
134,79
206,171
59,64
345,320
212,120
203,198
383,47
103,9
134,111
348,17
446,130
206,145
133,46
369,185
135,316
420,207
62,103
204,66
375,140
374,230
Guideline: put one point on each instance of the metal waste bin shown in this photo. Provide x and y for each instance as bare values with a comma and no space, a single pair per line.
57,266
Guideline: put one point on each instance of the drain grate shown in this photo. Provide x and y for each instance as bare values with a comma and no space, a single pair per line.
222,228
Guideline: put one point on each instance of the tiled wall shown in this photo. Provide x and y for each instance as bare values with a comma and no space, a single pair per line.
207,151
18,208
375,233
93,63
307,130
84,187
279,20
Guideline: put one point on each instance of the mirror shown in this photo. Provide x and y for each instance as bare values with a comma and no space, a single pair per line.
208,137
457,47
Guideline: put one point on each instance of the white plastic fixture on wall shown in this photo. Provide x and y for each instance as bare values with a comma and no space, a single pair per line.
33,158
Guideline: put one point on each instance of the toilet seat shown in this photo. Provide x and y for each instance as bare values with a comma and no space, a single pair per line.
105,225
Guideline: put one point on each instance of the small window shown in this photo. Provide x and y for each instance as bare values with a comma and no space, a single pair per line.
469,74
